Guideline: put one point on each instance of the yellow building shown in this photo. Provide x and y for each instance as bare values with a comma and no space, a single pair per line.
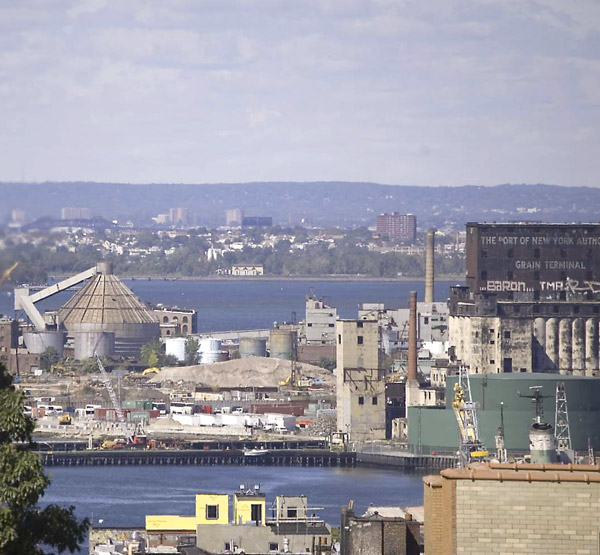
211,508
249,507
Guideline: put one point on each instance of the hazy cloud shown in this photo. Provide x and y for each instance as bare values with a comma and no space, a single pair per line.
395,91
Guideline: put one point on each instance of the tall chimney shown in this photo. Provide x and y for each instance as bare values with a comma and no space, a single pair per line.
429,266
412,338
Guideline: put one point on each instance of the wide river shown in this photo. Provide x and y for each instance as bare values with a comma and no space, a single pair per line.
238,305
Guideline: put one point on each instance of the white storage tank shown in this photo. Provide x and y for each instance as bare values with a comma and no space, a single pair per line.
175,346
210,350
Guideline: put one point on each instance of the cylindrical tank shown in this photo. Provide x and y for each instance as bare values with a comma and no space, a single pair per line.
552,343
38,341
578,358
282,343
209,350
253,347
91,343
565,346
591,347
542,444
539,345
175,346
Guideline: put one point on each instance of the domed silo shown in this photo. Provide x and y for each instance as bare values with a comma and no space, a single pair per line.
106,304
542,443
253,347
282,343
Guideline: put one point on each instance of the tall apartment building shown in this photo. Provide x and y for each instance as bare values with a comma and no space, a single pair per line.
233,217
397,226
179,216
360,381
75,213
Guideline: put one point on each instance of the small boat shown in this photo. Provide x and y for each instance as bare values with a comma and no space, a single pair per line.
255,452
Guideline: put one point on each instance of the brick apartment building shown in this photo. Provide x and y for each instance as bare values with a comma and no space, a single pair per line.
396,226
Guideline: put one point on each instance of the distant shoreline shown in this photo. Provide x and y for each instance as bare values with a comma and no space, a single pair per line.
459,279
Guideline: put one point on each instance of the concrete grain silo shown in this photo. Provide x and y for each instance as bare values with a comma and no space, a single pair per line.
282,344
253,347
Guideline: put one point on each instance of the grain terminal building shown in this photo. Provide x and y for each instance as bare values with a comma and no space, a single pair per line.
532,300
528,316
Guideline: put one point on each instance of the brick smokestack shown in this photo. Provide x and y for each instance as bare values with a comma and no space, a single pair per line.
429,266
412,338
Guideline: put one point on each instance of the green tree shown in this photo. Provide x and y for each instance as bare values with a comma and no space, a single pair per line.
327,363
48,358
24,527
191,351
151,353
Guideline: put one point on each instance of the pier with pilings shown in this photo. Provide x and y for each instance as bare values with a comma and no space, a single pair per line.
188,457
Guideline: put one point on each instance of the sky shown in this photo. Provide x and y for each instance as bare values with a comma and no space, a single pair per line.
411,92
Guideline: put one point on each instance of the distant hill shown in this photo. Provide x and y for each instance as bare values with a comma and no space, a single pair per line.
330,203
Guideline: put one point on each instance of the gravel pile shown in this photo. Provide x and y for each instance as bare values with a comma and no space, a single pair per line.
254,371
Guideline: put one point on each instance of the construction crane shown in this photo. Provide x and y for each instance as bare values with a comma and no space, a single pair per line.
562,432
114,400
470,448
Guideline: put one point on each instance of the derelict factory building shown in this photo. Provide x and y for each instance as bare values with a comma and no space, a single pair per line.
531,306
532,299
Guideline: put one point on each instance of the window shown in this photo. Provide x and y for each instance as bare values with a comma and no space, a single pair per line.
339,338
184,319
227,546
184,329
507,365
426,319
332,325
165,319
556,309
309,324
256,512
292,512
492,361
359,339
375,400
507,335
516,309
361,400
359,324
212,512
273,546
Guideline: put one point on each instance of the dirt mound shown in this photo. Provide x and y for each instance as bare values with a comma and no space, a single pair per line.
254,371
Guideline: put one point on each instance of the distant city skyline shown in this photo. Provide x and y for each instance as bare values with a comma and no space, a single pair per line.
450,92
